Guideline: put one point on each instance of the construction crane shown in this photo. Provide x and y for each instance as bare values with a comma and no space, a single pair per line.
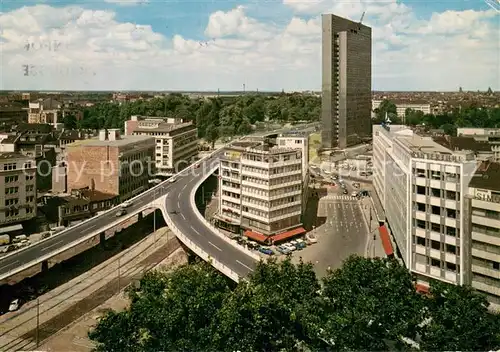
361,20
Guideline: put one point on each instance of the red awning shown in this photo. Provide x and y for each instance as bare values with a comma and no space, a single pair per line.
386,241
288,234
255,236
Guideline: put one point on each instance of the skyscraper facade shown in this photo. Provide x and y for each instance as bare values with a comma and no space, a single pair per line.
346,82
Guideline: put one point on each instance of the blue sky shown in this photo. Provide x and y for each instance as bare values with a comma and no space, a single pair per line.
252,36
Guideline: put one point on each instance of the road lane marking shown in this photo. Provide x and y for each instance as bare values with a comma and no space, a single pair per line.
237,261
178,204
183,188
215,246
52,245
183,216
91,227
192,228
6,266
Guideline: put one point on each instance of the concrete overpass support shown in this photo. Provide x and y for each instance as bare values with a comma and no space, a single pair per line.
45,266
102,239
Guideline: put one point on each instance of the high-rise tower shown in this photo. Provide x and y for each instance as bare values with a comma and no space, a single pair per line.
346,82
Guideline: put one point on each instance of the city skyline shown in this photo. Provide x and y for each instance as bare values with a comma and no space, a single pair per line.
140,45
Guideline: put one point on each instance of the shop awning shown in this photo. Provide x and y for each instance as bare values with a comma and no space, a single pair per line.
255,236
386,241
288,234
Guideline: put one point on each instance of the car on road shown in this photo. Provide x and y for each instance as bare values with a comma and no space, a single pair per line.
310,238
126,204
354,194
301,244
266,250
14,305
172,180
120,213
335,177
356,184
345,191
197,166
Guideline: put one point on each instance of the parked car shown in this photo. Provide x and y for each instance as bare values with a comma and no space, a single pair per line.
301,244
266,250
120,213
354,194
284,250
290,246
310,238
345,191
297,244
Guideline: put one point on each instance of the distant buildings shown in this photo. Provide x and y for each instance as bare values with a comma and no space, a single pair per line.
402,106
18,176
12,114
111,164
261,189
176,141
50,111
346,82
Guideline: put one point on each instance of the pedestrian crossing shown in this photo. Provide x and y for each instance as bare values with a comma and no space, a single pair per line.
339,197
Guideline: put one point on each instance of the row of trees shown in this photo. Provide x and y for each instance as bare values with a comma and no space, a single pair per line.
215,117
472,116
368,304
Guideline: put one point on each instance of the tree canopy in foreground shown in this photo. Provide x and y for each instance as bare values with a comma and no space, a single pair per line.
368,304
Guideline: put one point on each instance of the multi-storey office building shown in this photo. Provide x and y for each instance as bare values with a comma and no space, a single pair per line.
261,191
484,225
17,188
176,141
111,164
346,82
422,186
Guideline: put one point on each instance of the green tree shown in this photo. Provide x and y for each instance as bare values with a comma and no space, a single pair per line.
459,321
70,121
371,304
386,107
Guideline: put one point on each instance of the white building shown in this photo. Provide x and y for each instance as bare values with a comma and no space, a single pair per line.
260,189
401,107
489,135
422,185
484,225
176,141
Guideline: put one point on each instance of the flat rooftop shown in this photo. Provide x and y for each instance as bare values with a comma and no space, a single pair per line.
163,127
121,142
487,176
13,156
424,145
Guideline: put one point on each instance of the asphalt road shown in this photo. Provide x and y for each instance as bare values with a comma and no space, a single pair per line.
343,233
183,216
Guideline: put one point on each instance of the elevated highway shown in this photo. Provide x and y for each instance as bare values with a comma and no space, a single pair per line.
176,200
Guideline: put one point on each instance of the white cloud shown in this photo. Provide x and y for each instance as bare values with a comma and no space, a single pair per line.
448,50
127,2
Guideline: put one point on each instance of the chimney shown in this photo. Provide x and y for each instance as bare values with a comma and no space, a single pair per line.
103,135
114,134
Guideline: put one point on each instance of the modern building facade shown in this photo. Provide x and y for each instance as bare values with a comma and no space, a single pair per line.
422,186
111,164
176,141
260,188
18,175
346,82
484,225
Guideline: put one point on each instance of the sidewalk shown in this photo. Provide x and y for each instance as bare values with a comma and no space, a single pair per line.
374,246
68,302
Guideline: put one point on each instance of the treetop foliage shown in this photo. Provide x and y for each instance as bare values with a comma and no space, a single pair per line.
215,117
368,304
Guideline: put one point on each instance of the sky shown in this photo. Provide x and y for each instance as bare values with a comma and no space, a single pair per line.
265,45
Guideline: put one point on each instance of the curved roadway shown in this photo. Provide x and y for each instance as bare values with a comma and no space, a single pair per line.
179,206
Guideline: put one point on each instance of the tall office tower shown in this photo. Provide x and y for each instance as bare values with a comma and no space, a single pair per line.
346,82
